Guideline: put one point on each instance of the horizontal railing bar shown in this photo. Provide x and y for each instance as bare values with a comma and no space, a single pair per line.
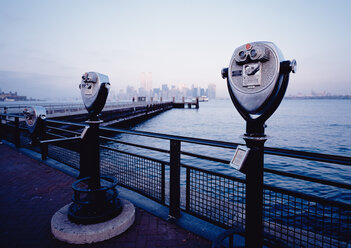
335,159
136,155
281,173
12,115
66,122
274,188
167,151
310,179
57,135
307,197
297,176
175,137
136,145
205,157
59,140
64,130
213,173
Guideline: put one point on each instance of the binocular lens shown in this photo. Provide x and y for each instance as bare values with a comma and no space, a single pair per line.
253,53
242,54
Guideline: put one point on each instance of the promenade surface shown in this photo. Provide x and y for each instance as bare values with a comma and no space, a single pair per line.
31,192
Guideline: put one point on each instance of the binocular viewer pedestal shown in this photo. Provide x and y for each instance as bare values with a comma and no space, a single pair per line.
94,200
257,78
96,214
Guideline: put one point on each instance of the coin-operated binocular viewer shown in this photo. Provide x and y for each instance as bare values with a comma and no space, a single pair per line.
94,89
94,200
35,120
257,78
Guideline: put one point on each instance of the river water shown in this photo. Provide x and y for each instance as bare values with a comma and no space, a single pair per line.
322,126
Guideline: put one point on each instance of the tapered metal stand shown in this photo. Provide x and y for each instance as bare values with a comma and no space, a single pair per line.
93,201
255,139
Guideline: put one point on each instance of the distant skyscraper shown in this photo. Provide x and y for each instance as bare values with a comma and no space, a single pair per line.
130,92
202,92
146,81
195,92
143,80
164,87
211,91
149,81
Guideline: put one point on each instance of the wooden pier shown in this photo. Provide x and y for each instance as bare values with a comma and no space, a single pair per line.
113,113
188,104
123,114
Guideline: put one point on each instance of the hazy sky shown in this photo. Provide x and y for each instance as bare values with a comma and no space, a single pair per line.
45,46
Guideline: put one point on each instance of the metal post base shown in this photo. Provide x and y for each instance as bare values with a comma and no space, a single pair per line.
91,206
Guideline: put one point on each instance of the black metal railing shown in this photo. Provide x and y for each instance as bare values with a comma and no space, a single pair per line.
290,217
139,173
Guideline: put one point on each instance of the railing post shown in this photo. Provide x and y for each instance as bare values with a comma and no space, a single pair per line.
174,187
1,129
17,133
163,183
187,180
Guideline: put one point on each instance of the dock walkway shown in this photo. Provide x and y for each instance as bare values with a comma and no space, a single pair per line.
31,192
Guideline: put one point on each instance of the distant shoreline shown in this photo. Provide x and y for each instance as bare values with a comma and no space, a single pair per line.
318,97
47,101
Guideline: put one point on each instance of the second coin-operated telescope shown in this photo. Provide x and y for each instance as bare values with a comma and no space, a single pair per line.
94,90
257,79
35,117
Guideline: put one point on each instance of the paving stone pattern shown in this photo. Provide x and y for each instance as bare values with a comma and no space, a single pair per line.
31,192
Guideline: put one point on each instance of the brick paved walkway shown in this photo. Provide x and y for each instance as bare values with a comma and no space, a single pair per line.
31,192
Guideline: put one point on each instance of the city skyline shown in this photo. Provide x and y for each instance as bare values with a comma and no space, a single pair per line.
176,91
166,92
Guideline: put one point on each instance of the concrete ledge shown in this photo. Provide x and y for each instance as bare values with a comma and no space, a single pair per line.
63,229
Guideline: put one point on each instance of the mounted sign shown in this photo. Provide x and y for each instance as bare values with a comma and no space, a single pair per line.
239,158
